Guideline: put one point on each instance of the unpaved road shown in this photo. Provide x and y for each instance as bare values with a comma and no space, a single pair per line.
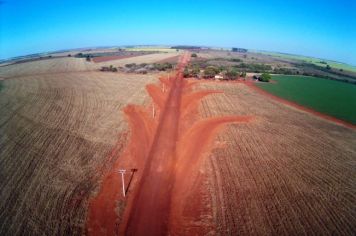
174,157
167,150
150,213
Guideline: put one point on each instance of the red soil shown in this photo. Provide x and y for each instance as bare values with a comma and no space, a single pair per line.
102,219
167,153
110,58
300,107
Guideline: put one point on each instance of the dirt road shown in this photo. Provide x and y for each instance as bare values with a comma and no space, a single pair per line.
162,148
150,213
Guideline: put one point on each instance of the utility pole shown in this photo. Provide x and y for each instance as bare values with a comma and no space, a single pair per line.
153,110
122,172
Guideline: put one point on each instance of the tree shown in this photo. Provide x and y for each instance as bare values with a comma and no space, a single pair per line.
163,66
186,73
210,71
239,50
265,77
88,58
130,65
235,60
328,67
232,74
194,55
195,71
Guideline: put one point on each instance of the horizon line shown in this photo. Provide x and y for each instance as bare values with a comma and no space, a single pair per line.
170,45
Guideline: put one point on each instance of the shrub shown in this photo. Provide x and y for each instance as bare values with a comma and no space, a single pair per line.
194,55
195,71
210,71
108,68
79,55
191,72
186,73
265,77
232,74
235,60
163,67
131,65
257,68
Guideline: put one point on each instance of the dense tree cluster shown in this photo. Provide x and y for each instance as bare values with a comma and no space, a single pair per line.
239,50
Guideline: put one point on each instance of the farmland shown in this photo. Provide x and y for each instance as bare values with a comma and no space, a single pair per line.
220,157
286,172
45,66
326,96
316,61
57,131
152,48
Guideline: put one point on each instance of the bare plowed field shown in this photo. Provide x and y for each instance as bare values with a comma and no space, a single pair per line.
287,173
57,132
150,58
211,158
111,58
65,64
72,64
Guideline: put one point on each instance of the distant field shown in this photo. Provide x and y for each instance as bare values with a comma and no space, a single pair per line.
72,64
110,58
149,58
151,49
327,96
312,60
55,65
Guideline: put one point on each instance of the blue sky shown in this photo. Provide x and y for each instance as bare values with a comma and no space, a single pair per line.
325,29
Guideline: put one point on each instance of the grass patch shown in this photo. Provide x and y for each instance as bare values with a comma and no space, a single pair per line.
327,96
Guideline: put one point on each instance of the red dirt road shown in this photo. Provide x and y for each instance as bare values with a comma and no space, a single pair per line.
150,213
167,150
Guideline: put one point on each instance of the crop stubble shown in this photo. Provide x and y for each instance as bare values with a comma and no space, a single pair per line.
57,132
285,174
288,172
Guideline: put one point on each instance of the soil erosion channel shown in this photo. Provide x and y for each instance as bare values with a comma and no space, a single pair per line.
167,149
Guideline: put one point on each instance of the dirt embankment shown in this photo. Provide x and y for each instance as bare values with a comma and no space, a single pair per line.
166,147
